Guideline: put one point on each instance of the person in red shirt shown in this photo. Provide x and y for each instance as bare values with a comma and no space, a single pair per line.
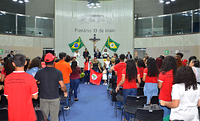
150,78
165,81
129,75
75,78
118,72
140,68
20,88
87,64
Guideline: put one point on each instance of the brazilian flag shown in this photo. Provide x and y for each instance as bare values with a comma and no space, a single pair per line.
111,44
76,45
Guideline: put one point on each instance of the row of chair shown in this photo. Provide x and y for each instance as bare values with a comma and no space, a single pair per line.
135,104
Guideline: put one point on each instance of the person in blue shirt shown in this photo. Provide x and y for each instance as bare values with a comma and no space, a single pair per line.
34,67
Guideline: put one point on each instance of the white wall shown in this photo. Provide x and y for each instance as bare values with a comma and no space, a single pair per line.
25,42
187,44
115,15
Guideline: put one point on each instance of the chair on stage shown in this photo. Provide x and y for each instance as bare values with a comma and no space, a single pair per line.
140,91
132,103
3,114
149,114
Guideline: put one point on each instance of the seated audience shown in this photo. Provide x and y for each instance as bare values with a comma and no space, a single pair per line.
105,54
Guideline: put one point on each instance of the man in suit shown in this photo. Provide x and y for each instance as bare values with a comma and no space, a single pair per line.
97,54
128,56
11,54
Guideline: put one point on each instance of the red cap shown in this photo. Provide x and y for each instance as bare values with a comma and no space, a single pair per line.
74,56
49,57
95,57
185,60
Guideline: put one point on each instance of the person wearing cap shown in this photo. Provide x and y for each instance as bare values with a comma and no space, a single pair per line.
50,79
96,65
66,70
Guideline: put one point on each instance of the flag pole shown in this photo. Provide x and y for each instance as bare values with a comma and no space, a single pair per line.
104,45
83,43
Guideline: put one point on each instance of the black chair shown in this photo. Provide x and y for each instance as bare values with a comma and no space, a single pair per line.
132,103
119,98
149,114
140,91
40,115
154,100
62,104
3,114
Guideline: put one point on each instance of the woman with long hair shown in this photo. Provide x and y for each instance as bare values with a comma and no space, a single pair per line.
150,78
75,78
195,67
34,67
129,76
159,62
27,63
7,69
166,77
140,68
185,96
87,65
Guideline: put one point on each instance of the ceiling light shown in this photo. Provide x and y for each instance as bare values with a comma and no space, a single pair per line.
92,4
26,1
97,3
88,5
173,0
95,6
161,1
20,1
168,2
98,6
14,0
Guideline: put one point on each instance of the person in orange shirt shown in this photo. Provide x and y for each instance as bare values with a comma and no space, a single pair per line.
66,70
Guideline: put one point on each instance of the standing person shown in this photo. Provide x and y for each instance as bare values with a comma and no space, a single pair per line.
165,81
86,53
115,55
140,68
7,69
195,67
105,54
34,67
96,65
150,78
185,96
75,78
87,65
129,56
11,54
19,89
159,62
76,54
107,63
129,75
27,64
50,79
104,77
97,54
118,72
66,70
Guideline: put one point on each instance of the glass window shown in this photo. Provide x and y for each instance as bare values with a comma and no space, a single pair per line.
143,27
44,27
7,23
162,25
196,21
181,23
25,25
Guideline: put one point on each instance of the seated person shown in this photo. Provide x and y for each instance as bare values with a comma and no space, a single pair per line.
105,54
76,54
86,53
97,54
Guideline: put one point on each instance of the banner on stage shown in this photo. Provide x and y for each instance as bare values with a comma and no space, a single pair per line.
95,77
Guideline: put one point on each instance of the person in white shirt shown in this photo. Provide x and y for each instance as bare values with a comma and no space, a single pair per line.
105,54
74,59
185,96
107,62
194,63
76,54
